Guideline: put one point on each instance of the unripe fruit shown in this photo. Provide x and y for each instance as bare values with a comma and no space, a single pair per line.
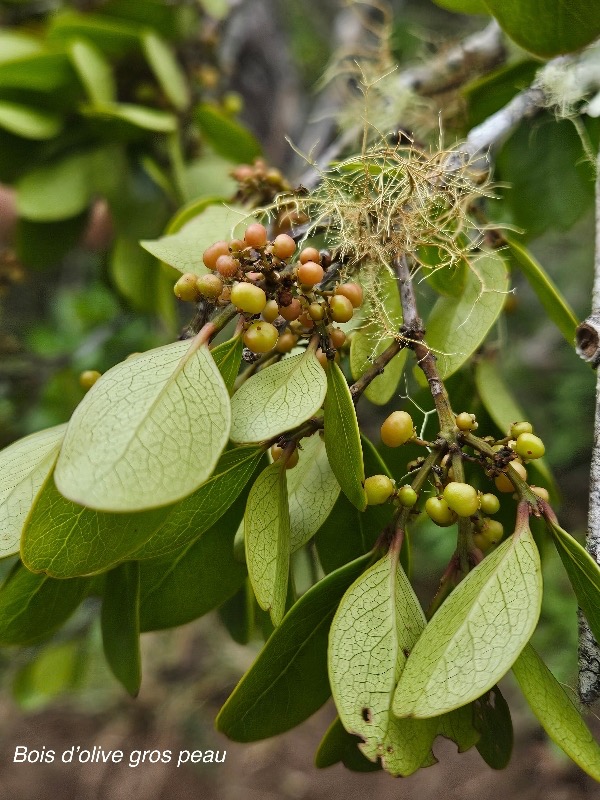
249,298
88,378
261,337
504,484
491,530
338,337
271,311
379,489
466,422
489,503
310,273
397,429
462,498
517,428
292,311
284,246
227,266
209,286
277,452
235,245
341,308
407,496
212,253
481,543
255,235
529,446
185,288
310,254
541,492
316,311
321,357
225,296
286,342
353,291
440,512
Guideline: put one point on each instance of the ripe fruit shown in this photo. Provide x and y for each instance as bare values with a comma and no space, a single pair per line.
256,235
227,266
306,320
292,311
379,489
440,512
209,286
271,311
277,452
310,254
338,337
397,429
249,298
529,446
286,342
407,496
261,337
310,273
88,378
185,288
462,498
489,503
541,492
504,484
284,246
341,308
353,291
517,428
212,253
466,421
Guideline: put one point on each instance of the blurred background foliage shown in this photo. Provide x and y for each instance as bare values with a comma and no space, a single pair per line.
114,114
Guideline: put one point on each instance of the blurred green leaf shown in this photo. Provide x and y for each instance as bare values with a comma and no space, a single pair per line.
30,123
56,670
208,176
464,6
489,93
94,71
39,72
237,614
15,44
166,69
132,116
121,625
112,36
226,136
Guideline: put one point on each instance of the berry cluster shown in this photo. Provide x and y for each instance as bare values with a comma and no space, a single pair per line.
281,299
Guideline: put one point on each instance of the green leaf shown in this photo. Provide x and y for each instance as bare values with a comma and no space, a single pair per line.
383,312
185,585
208,176
166,69
584,575
197,513
94,71
133,116
488,93
464,6
267,540
342,437
55,671
14,45
34,606
554,304
457,326
377,623
492,718
228,357
183,249
556,712
114,37
121,625
39,72
148,433
237,614
457,725
30,123
548,27
339,745
44,244
66,540
228,138
312,491
278,398
24,467
288,681
476,635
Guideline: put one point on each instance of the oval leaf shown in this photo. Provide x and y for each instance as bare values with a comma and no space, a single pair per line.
148,433
556,712
457,326
57,190
228,138
342,437
377,623
492,719
30,123
133,116
228,357
121,625
278,398
476,635
94,71
24,466
267,540
288,681
167,71
339,745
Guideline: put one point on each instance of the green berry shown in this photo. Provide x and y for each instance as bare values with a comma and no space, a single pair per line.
397,429
529,446
185,288
316,311
379,489
461,498
491,530
489,503
440,512
407,496
271,311
261,337
541,492
249,298
517,428
466,421
209,286
88,378
503,482
341,308
277,452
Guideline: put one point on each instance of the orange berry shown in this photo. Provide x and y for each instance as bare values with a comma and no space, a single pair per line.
286,342
310,254
353,291
284,246
338,337
255,235
292,311
227,266
310,273
212,253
